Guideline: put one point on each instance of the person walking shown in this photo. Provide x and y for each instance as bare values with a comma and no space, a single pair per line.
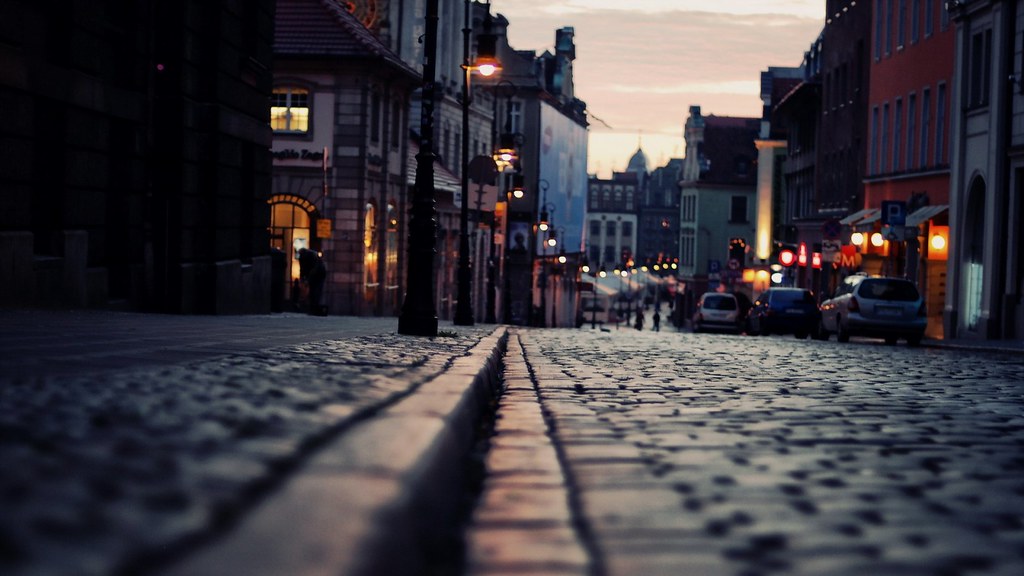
657,321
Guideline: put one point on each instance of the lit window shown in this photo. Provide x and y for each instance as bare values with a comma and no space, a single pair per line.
289,110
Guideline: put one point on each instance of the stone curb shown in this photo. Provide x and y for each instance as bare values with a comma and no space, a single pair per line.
378,499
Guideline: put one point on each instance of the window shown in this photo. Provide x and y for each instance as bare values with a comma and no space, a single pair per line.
875,138
945,18
396,124
595,230
878,29
371,279
888,27
926,120
940,126
627,229
911,130
610,229
738,209
375,118
897,136
929,17
981,69
884,129
901,24
915,21
289,109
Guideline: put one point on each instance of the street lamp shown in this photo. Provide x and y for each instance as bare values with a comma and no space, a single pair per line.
552,242
419,316
486,64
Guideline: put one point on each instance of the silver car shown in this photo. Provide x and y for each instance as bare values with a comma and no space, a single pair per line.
718,311
889,308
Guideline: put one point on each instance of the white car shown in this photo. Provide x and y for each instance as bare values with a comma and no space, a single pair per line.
718,311
889,308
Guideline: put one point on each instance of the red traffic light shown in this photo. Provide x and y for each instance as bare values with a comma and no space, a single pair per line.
787,257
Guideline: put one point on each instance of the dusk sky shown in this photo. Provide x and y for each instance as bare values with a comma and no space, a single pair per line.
640,65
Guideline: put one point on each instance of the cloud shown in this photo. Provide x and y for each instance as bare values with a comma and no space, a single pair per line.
641,68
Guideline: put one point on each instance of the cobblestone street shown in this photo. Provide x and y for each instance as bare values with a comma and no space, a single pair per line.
715,454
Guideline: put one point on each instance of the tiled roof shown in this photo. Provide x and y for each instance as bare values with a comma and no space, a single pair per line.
324,28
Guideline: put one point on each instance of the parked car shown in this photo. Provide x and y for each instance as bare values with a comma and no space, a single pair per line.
890,308
718,311
784,311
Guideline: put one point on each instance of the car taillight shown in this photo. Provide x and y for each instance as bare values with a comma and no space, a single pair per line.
854,306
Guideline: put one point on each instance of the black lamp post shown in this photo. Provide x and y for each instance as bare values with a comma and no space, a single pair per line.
505,157
487,65
419,316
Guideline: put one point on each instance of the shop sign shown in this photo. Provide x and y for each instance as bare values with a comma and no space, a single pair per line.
323,228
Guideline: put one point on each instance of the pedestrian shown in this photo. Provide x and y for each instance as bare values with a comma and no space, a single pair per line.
313,273
657,321
639,320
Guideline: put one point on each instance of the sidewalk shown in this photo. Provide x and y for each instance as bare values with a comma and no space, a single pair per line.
279,444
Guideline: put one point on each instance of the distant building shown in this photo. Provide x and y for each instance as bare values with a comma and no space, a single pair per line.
612,219
658,219
718,192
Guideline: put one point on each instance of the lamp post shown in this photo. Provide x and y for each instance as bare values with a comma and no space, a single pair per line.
486,65
552,242
543,225
419,316
506,156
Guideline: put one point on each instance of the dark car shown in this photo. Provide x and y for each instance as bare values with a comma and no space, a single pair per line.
784,311
889,308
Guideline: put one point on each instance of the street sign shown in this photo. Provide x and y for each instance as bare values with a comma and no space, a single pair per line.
323,228
831,229
894,213
830,250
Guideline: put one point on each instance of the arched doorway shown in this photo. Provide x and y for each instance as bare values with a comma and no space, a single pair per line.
291,219
973,252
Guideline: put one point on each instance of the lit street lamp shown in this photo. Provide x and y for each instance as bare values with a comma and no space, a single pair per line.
486,64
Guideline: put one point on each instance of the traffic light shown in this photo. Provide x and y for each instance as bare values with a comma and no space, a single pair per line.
787,255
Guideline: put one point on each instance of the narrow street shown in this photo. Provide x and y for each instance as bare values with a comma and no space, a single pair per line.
628,452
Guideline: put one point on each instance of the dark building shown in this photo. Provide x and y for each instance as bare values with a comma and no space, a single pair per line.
134,168
658,231
842,141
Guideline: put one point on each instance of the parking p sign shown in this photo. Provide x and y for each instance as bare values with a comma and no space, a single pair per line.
894,213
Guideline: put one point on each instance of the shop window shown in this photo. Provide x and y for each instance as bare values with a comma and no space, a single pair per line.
289,110
371,280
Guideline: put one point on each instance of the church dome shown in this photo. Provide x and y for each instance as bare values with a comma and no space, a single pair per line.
638,163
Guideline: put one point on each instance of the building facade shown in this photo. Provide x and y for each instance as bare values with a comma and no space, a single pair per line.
339,113
985,288
135,171
907,171
718,195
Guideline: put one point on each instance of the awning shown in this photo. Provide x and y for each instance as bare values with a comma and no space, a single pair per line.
926,213
860,216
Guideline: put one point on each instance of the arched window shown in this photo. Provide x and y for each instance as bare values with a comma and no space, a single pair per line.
290,227
974,281
370,249
289,109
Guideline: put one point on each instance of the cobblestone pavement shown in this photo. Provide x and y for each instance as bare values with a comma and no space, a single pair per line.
675,453
140,453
